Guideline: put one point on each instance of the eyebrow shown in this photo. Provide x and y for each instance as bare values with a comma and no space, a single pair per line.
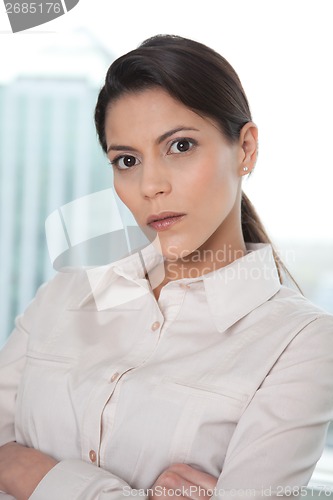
159,140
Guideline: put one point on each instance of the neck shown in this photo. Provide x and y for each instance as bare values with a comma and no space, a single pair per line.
202,261
223,247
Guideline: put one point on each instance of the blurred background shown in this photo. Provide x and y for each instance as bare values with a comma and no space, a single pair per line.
49,153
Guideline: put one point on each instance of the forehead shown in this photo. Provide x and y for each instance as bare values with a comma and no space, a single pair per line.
149,112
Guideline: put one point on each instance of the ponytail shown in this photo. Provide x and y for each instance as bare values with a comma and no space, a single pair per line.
254,232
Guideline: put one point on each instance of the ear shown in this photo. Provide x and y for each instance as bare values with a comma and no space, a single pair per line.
248,148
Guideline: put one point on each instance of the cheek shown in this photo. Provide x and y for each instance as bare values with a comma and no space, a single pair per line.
124,192
128,194
213,179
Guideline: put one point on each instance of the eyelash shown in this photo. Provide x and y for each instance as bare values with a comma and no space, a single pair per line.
183,139
115,161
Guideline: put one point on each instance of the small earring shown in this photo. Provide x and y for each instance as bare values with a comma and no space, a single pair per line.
245,169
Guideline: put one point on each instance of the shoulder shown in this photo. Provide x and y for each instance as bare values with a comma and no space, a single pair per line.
293,303
290,307
53,297
64,287
307,356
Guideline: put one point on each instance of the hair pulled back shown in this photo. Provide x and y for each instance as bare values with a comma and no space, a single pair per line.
202,80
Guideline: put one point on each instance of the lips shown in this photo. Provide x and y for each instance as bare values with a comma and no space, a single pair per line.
162,215
164,220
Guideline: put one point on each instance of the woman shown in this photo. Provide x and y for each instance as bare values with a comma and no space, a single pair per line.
210,380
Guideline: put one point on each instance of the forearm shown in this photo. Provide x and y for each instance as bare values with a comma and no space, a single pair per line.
26,473
21,469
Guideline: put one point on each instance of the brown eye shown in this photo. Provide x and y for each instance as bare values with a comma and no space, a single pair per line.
129,161
181,146
125,162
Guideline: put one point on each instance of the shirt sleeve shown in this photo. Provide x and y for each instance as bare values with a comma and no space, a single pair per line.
281,434
12,360
69,479
78,480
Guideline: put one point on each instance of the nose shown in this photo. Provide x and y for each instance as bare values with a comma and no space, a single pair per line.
155,179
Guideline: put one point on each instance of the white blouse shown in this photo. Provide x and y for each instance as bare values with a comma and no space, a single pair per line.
229,372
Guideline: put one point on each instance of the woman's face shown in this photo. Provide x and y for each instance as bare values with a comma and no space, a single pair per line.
166,158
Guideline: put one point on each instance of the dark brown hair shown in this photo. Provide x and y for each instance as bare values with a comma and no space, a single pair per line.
203,81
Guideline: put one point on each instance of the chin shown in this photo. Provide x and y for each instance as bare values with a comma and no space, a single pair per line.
175,251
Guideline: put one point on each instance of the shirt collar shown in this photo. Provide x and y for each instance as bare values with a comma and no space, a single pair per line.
235,290
232,291
133,269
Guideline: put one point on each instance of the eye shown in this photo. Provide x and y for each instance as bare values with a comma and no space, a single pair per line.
182,145
124,162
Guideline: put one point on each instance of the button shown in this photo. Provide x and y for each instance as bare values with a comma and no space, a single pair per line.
155,325
92,456
114,376
182,285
